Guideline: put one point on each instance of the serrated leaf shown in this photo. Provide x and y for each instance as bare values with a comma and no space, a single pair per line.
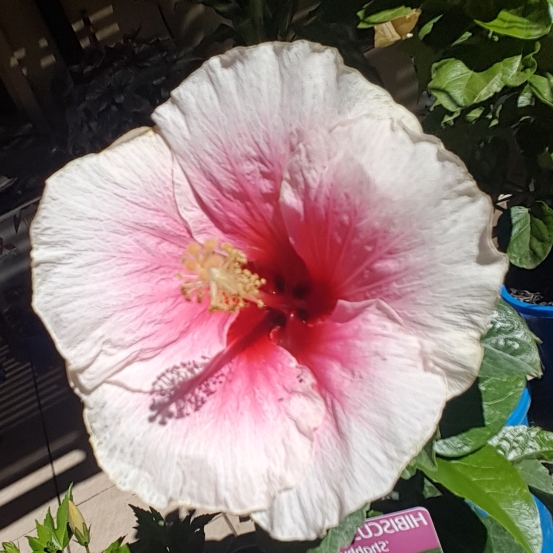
151,532
45,532
491,482
499,540
36,545
510,354
9,547
62,532
531,235
342,535
523,442
535,475
118,547
202,520
474,114
49,522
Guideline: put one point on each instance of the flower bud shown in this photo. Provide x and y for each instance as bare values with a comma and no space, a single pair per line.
77,524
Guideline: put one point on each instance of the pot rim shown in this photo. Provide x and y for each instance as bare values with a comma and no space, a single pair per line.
530,309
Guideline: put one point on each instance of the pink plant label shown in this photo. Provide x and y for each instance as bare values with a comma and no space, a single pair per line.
410,531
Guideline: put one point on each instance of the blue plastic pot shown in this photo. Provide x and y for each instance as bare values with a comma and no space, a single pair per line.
520,417
540,321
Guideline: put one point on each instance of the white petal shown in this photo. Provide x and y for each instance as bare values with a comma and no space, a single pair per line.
107,244
234,122
382,212
232,444
382,407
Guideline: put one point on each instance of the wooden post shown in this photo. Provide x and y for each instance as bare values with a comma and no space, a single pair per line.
17,85
58,24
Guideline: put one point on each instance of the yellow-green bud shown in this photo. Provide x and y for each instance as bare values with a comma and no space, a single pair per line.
77,524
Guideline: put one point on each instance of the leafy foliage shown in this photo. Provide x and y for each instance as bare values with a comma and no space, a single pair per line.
510,354
115,89
487,68
531,235
342,535
491,482
520,442
53,536
498,539
169,535
154,533
491,475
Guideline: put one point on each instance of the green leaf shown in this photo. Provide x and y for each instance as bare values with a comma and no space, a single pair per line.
118,547
456,86
491,482
151,532
510,354
542,87
342,535
526,98
498,540
62,531
429,490
427,456
471,419
9,547
370,20
474,114
45,532
529,20
426,29
535,475
509,345
523,442
36,545
531,235
158,535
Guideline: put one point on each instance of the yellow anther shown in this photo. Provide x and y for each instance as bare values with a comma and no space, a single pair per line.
193,248
210,244
214,261
218,272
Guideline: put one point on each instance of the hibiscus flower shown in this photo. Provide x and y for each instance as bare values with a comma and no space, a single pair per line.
265,301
